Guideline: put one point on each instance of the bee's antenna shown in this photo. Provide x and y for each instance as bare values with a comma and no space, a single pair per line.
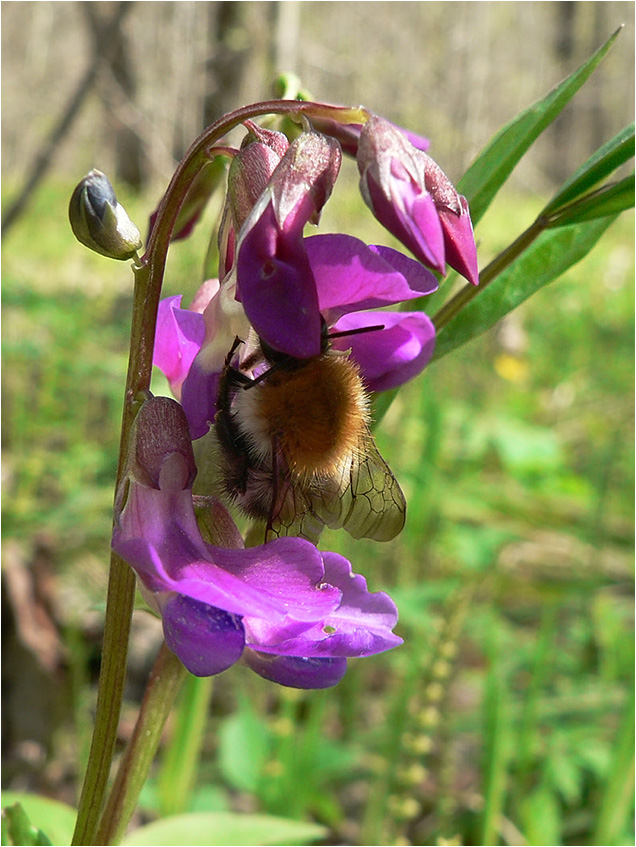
357,331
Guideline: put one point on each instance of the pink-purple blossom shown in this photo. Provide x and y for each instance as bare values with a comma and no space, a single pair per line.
292,613
413,198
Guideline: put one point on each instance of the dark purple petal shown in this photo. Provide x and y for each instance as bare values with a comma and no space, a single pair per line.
199,395
393,184
207,640
296,671
277,288
360,626
415,221
393,355
461,252
351,276
158,536
249,174
180,334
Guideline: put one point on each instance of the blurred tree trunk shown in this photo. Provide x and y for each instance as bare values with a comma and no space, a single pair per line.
241,66
564,49
112,47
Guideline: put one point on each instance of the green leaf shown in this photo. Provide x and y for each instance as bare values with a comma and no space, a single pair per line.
618,794
18,829
541,817
54,818
495,163
553,252
225,828
609,200
599,166
497,747
243,748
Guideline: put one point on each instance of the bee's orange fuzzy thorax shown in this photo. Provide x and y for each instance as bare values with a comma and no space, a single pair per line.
316,413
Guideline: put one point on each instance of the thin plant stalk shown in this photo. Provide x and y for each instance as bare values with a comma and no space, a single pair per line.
148,283
166,679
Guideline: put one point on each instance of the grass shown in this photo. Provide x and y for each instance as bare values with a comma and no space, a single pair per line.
505,717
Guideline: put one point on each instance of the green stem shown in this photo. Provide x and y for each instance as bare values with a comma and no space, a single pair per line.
166,679
464,296
148,282
121,591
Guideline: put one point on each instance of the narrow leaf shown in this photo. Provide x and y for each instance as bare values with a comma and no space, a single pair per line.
496,753
618,795
610,200
553,252
225,828
496,162
600,165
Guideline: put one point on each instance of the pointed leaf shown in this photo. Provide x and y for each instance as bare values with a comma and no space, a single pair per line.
225,828
496,162
599,166
610,200
553,252
56,819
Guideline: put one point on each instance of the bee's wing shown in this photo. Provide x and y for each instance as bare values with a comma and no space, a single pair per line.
373,503
366,501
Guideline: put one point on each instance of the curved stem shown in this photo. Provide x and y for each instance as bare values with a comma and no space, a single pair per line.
148,282
166,679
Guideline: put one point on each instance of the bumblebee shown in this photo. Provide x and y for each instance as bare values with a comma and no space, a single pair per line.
296,451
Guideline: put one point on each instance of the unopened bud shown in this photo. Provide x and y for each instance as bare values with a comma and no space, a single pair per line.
251,168
99,221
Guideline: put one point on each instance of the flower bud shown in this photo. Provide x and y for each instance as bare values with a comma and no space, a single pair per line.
99,221
251,169
413,198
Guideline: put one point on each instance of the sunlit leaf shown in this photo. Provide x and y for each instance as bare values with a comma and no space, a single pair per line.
491,169
56,819
553,252
610,200
225,828
243,748
599,166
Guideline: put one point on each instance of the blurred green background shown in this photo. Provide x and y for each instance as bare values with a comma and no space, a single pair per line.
507,716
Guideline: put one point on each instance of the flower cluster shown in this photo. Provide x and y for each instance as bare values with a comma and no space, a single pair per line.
293,613
287,286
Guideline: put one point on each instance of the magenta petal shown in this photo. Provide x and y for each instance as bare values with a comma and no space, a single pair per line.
420,218
296,671
393,355
207,640
461,251
180,334
199,395
158,536
360,626
277,288
351,276
411,216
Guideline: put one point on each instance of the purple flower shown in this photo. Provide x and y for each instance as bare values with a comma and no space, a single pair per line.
412,197
291,612
348,278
